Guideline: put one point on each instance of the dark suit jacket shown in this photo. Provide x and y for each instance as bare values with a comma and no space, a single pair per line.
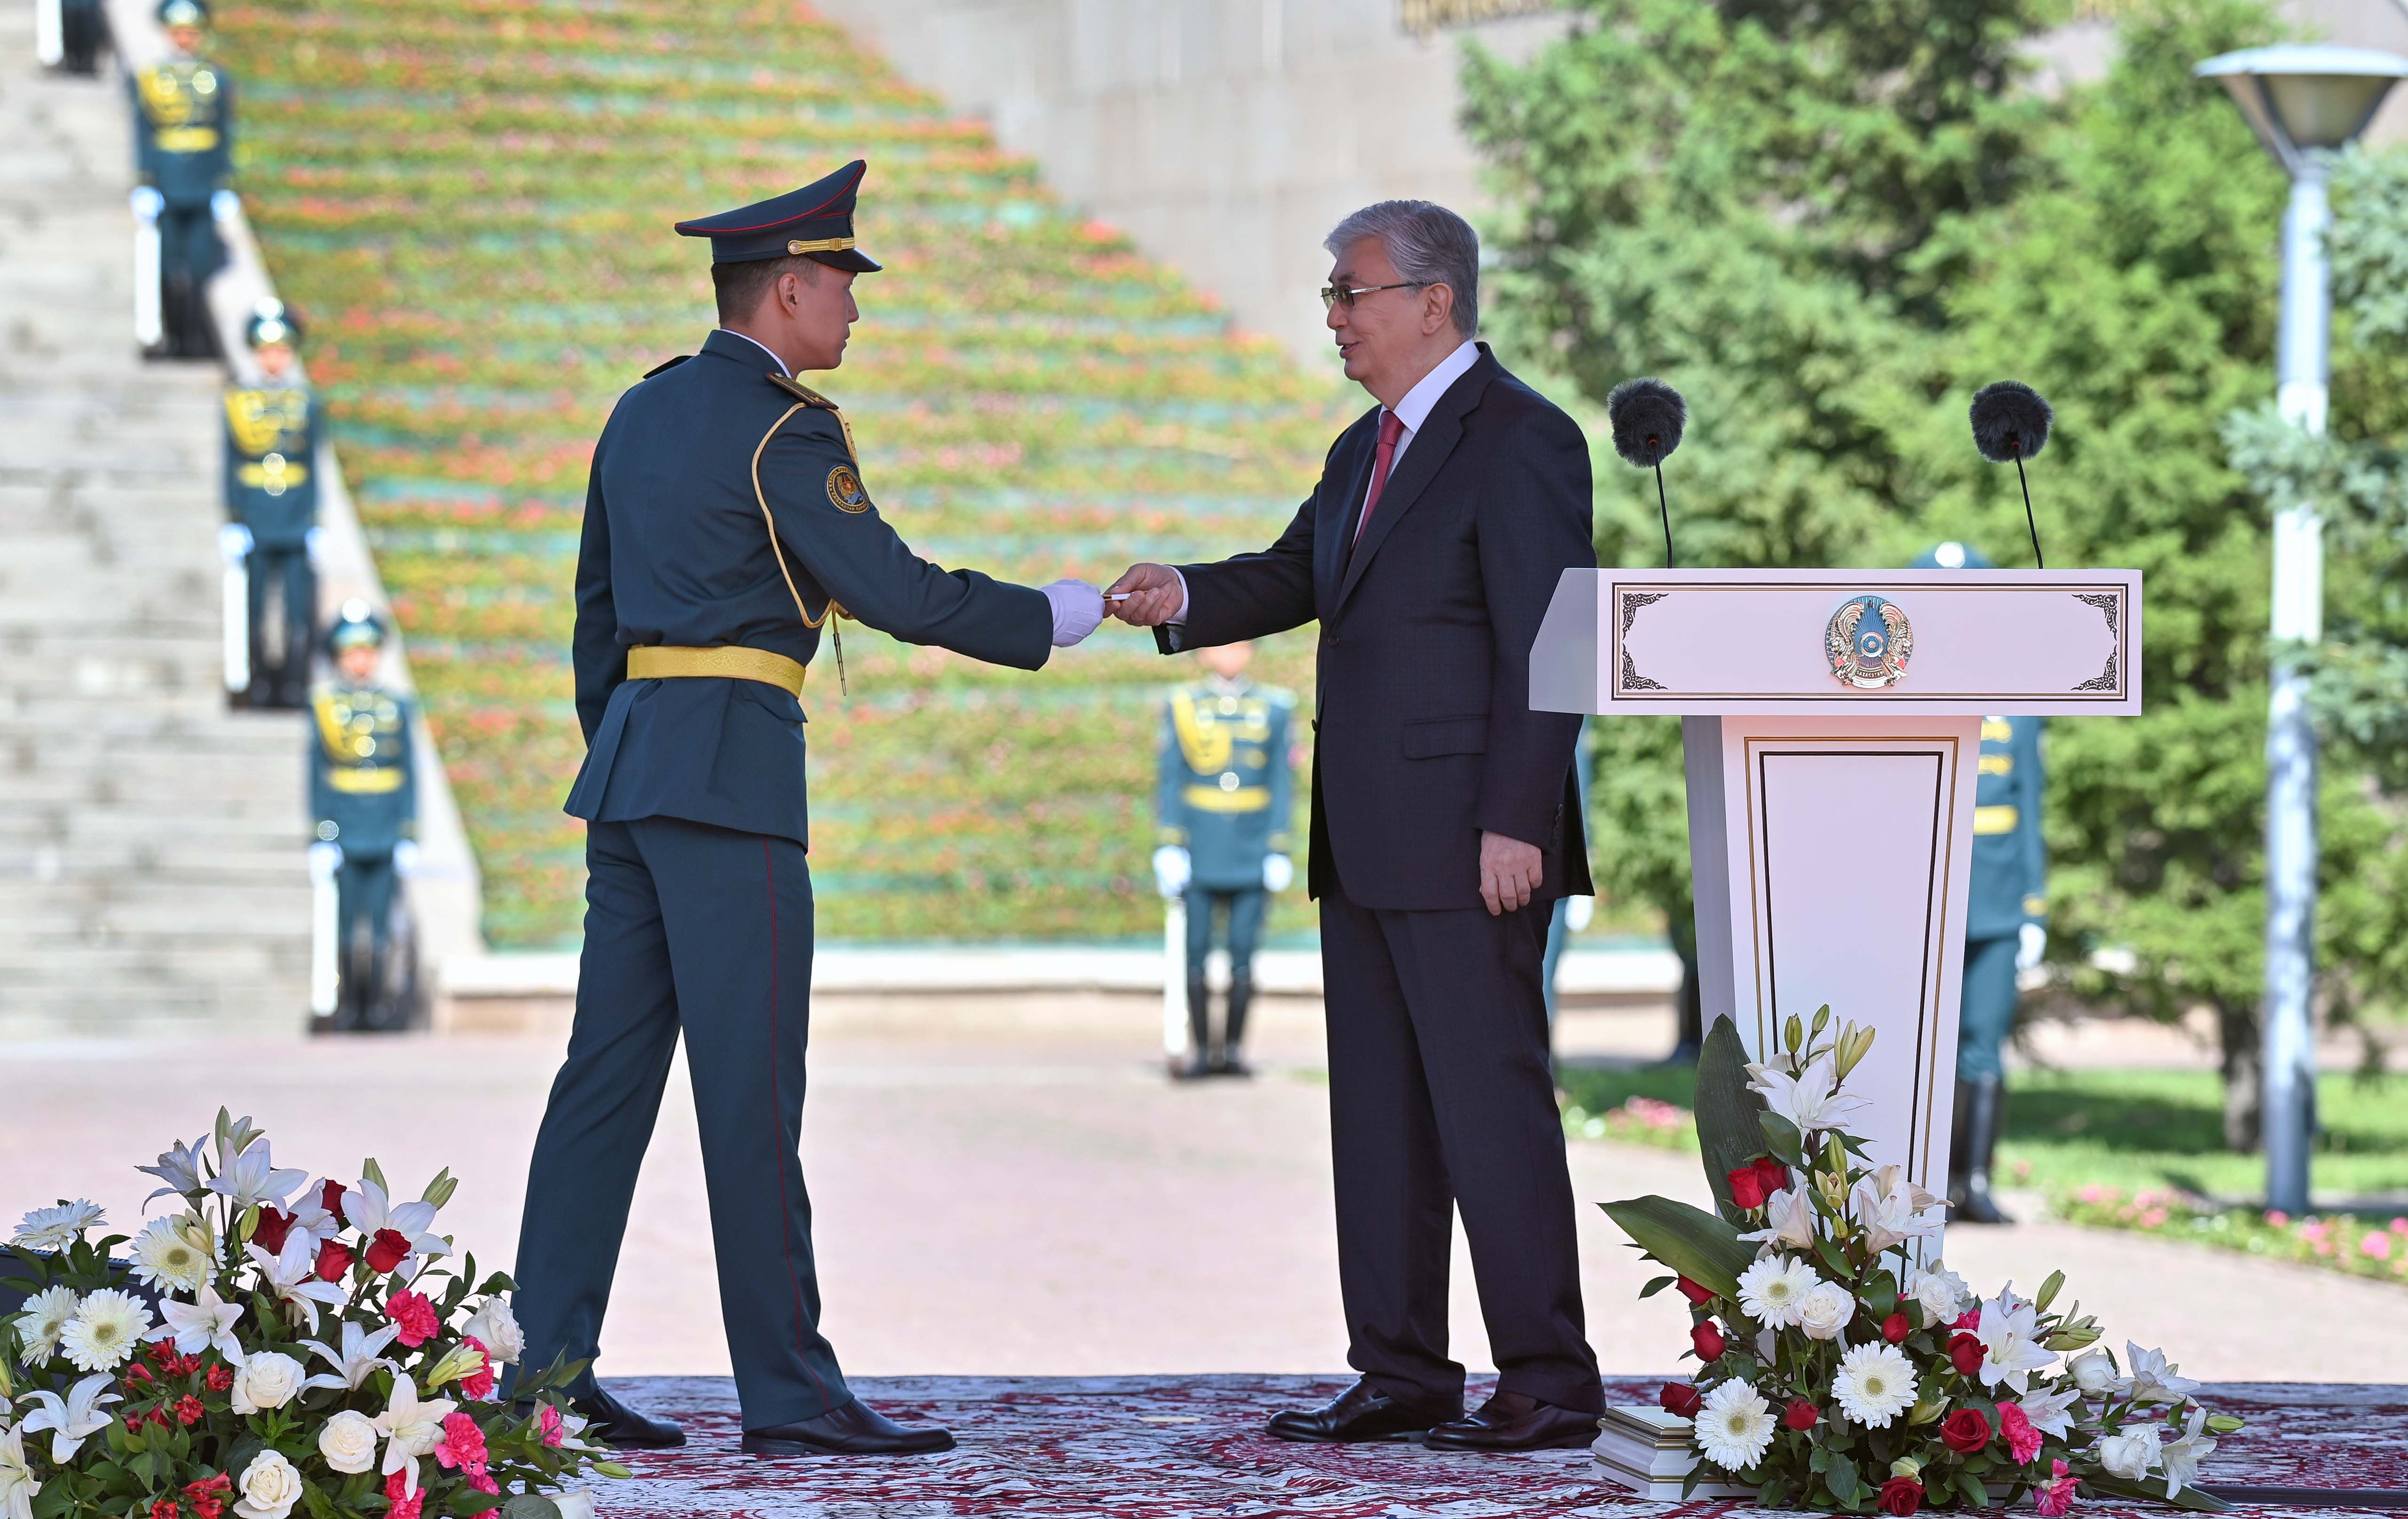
676,551
1422,710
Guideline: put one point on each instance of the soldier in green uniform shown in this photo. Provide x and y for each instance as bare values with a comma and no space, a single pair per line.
1223,805
2004,931
364,793
183,162
271,497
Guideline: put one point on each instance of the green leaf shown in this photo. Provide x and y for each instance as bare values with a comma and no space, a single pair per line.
1971,1487
1727,1109
320,1506
2189,1498
1701,1246
1781,1137
1842,1478
1657,1286
530,1506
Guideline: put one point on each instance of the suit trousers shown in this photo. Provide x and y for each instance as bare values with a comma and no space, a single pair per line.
1442,1099
706,931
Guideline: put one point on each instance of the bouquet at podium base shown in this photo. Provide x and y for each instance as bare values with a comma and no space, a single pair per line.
1842,1364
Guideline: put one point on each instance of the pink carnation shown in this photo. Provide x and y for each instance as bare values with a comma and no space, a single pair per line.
480,1382
2055,1495
403,1507
1968,1320
548,1420
416,1317
464,1446
2015,1427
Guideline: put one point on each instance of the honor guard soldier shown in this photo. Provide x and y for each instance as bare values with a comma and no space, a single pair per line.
2004,931
68,35
1224,802
271,496
364,793
183,161
727,524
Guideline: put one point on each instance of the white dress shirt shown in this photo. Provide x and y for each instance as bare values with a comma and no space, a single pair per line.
790,374
1412,410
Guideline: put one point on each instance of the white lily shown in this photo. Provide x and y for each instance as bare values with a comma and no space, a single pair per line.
292,1277
2152,1379
356,1360
411,1428
310,1215
2051,1410
252,1178
74,1419
18,1486
181,1169
1894,1210
366,1209
2010,1336
2182,1457
1812,1100
1789,1220
205,1322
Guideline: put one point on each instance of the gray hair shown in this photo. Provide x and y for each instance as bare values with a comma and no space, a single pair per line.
1429,244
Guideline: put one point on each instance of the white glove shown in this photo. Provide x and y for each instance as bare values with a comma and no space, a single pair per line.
2032,944
309,545
1077,606
1279,872
234,543
1171,869
147,202
325,858
1578,910
224,205
405,857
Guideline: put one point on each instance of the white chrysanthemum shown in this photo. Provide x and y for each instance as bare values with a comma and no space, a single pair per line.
43,1321
1772,1290
1874,1385
166,1255
107,1329
56,1228
1734,1426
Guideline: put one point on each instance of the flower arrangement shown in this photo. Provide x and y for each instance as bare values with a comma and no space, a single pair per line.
273,1348
1842,1364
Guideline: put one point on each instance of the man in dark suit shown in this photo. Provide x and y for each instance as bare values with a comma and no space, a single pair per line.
1444,822
726,523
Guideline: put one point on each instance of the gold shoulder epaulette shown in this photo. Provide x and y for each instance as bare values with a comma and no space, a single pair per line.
801,392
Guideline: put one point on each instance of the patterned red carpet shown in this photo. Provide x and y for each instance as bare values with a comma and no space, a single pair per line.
1154,1447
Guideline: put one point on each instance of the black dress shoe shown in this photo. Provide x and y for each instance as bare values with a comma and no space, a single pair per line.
1361,1411
854,1430
1517,1422
615,1422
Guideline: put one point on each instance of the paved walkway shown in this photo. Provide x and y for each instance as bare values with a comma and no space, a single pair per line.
1030,1197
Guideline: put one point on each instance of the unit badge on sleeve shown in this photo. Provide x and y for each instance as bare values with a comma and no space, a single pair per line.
1869,642
844,489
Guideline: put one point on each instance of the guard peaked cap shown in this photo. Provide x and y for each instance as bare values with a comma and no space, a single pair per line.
815,221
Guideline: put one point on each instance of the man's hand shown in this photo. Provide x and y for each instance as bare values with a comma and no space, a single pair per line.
1509,871
1154,596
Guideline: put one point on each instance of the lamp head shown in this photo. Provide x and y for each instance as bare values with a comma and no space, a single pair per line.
2306,99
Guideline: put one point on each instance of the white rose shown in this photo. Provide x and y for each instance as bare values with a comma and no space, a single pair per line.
270,1486
268,1380
1941,1292
576,1503
2093,1373
349,1442
1825,1310
2130,1456
496,1329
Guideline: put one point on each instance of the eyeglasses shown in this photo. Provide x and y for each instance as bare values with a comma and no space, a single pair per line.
1333,296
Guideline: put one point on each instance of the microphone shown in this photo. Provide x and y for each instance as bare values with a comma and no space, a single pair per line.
1647,416
2011,421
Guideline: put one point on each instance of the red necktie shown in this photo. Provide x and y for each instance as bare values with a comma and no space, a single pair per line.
1391,429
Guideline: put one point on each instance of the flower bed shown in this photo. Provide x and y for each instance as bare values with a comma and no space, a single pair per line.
1662,1126
471,200
2336,1241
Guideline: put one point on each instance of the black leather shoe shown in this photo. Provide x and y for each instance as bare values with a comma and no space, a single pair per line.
615,1422
1517,1422
854,1430
1361,1411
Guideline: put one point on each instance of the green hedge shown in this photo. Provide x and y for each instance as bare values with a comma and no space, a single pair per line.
472,203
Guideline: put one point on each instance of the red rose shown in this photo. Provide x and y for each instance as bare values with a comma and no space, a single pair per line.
1965,1431
1901,1496
273,1227
221,1377
331,1200
1801,1415
1680,1399
1747,1188
1895,1327
188,1410
1772,1175
1697,1295
1965,1353
333,1261
387,1251
1708,1341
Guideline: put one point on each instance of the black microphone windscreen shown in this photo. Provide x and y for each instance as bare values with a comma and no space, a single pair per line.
1647,416
2011,421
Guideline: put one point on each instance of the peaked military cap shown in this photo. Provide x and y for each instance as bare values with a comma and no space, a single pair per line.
272,322
815,221
356,625
184,13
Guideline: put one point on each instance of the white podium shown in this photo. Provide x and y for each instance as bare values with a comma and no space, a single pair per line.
1831,722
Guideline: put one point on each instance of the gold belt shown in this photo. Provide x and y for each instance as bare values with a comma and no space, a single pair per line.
1994,820
660,662
1213,799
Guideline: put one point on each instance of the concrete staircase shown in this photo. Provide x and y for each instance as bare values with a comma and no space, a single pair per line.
151,876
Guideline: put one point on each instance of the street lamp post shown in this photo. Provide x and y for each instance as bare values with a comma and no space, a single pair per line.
2305,104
